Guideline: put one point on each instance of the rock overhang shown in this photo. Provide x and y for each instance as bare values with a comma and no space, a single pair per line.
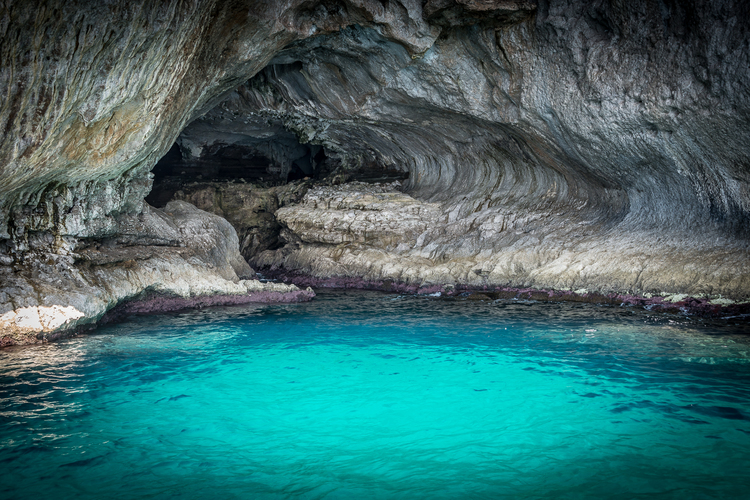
568,144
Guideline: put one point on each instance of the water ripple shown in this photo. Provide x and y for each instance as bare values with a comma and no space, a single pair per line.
358,395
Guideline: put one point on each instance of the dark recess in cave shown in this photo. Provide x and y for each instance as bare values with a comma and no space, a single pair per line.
237,163
221,163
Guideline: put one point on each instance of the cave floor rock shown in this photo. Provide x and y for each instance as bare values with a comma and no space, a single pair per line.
375,235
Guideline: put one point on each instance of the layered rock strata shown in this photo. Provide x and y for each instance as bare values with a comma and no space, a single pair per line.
376,233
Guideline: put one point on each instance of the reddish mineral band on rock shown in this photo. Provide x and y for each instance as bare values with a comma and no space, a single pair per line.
155,305
164,304
687,305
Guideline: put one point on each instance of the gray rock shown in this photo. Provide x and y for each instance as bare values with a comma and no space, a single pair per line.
377,233
564,144
182,255
590,146
248,208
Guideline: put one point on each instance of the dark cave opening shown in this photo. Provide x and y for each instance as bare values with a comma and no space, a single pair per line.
226,163
238,163
220,162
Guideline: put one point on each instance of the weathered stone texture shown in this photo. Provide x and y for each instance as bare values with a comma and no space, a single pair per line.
559,144
93,94
92,90
377,233
178,253
250,209
590,145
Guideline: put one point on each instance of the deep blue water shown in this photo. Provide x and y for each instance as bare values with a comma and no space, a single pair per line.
371,395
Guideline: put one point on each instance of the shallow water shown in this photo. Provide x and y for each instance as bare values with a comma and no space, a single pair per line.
370,395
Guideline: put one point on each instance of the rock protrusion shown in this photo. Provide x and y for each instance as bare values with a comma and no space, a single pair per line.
161,260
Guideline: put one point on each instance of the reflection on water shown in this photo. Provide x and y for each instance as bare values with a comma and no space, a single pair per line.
370,395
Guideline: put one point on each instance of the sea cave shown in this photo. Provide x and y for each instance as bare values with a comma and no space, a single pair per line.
452,223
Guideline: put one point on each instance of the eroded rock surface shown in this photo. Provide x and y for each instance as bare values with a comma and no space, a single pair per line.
161,260
93,90
94,93
556,144
569,145
249,208
378,233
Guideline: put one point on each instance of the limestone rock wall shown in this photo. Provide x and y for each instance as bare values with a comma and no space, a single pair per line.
550,143
93,91
93,94
568,144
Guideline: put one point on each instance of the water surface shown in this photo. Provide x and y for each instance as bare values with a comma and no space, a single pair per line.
371,395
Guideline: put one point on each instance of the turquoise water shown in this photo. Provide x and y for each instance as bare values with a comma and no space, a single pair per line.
370,395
